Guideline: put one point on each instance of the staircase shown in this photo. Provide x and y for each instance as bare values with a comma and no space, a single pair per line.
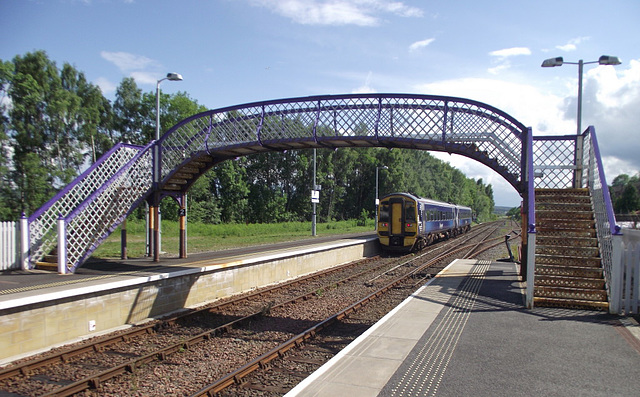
49,262
568,266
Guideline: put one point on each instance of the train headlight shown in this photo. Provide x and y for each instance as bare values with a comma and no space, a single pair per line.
384,224
409,224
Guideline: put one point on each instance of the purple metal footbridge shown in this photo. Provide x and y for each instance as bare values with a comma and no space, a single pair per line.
84,213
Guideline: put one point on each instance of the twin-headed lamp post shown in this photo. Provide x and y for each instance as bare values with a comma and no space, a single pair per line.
559,61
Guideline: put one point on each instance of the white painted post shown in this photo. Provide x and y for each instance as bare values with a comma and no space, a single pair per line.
62,245
531,264
24,242
616,274
635,265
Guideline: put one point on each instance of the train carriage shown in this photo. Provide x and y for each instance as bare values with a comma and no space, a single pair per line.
407,222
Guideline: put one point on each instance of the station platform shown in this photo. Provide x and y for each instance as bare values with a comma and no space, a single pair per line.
96,271
40,310
17,286
467,333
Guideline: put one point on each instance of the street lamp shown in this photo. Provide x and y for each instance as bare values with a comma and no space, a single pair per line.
170,77
156,167
384,167
559,61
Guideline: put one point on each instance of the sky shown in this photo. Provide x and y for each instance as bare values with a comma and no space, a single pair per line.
232,52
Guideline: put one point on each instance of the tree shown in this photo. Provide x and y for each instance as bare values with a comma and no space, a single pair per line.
620,180
515,213
48,128
40,144
230,190
629,201
129,114
8,200
624,193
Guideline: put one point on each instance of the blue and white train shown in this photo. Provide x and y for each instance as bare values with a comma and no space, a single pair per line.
407,222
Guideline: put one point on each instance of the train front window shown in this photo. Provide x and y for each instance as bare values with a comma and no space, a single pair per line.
384,212
409,212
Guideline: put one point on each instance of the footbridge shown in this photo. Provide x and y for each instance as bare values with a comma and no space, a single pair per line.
83,214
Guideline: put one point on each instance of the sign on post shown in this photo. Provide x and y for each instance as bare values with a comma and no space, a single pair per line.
315,196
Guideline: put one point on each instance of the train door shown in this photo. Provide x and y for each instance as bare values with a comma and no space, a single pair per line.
456,219
397,221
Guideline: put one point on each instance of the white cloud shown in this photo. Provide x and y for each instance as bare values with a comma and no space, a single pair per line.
572,44
366,88
509,52
126,61
614,166
496,70
338,12
420,44
502,58
142,77
611,99
105,85
144,70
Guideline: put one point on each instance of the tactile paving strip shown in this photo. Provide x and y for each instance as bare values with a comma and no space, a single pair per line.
422,371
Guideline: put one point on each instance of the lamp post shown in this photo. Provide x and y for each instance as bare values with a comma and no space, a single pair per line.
156,169
559,61
384,167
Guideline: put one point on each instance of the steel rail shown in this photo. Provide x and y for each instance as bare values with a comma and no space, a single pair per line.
94,380
263,360
100,344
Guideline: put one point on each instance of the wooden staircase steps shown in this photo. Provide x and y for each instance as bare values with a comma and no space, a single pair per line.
49,262
568,265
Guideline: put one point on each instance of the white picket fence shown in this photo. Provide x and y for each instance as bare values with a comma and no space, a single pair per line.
9,245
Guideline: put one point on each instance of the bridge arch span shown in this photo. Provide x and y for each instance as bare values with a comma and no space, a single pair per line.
425,122
81,216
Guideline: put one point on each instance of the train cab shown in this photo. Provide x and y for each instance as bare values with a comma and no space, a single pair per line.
398,222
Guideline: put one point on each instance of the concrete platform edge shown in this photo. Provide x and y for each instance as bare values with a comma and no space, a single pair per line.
359,340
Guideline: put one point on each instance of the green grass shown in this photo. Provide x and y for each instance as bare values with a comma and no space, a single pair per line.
203,238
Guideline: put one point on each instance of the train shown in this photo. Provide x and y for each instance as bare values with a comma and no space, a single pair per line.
407,222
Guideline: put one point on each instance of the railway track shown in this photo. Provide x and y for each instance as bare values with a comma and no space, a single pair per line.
232,326
318,338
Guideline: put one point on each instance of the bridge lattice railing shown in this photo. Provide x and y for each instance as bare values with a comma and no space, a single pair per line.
378,119
88,225
42,224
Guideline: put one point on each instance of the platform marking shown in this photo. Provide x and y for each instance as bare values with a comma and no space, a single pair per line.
426,371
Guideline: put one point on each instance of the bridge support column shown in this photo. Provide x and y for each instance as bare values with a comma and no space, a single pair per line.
150,227
154,226
183,225
123,240
156,234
